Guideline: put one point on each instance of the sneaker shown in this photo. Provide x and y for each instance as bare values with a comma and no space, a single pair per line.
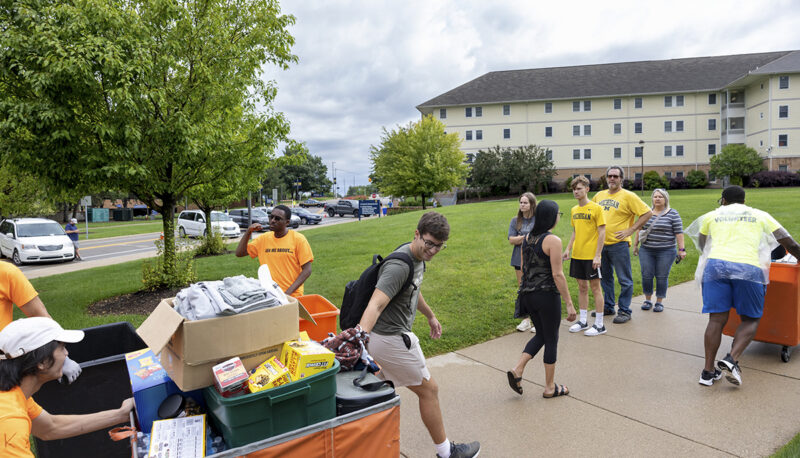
578,327
464,450
533,329
622,318
595,331
708,378
647,305
659,307
727,364
524,325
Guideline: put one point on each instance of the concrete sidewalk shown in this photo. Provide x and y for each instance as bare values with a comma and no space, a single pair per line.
633,392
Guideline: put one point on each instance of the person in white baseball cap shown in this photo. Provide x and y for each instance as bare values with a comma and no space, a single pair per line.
32,353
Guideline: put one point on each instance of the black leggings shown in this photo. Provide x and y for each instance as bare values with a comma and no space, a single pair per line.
544,308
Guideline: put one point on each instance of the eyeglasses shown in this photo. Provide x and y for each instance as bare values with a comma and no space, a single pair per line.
430,245
612,176
560,213
275,217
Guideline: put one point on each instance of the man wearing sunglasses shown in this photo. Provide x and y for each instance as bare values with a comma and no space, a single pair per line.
286,252
388,319
620,210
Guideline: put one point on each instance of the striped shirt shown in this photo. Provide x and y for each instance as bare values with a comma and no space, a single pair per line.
664,232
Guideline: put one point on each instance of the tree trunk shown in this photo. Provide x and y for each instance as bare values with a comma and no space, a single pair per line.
423,201
168,226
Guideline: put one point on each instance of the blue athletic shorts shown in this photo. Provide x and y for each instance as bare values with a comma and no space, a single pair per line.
747,297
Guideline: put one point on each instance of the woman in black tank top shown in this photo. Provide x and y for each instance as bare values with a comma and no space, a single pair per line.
543,285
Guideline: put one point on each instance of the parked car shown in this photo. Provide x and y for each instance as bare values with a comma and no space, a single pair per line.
193,223
342,207
306,217
34,240
240,217
294,222
311,203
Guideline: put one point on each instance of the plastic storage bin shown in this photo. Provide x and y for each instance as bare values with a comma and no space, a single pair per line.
780,323
254,417
103,384
323,312
122,214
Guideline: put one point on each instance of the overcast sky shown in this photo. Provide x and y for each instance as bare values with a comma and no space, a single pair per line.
365,65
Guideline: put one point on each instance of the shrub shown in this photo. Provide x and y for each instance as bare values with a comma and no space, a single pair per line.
769,179
568,184
211,245
603,182
652,180
697,179
555,186
594,185
678,183
632,185
153,271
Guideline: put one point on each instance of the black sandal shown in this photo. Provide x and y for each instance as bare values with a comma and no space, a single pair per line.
561,390
513,382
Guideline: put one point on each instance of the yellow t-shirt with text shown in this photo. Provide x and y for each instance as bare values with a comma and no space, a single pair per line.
285,256
736,231
585,222
620,211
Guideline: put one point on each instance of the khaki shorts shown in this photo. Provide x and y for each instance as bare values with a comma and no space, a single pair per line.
400,365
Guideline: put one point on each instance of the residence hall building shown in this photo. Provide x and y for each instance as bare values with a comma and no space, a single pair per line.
670,115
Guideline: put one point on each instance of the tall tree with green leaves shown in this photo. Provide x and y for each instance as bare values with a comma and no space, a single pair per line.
736,161
298,165
149,97
418,160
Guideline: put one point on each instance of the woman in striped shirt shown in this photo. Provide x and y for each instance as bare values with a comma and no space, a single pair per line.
658,238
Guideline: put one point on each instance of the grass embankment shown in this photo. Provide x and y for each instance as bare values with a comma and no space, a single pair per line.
119,228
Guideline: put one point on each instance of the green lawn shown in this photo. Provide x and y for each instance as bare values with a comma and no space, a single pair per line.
120,228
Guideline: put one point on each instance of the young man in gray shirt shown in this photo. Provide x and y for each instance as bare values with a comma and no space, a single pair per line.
389,317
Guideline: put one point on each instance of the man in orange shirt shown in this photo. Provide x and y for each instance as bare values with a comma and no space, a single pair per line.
286,252
15,289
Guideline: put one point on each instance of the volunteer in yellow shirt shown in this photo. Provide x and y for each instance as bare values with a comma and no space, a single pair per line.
32,353
286,252
733,277
620,209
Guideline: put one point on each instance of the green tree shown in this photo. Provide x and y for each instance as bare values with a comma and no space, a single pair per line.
22,195
298,165
142,96
653,180
504,170
736,161
485,172
418,160
697,179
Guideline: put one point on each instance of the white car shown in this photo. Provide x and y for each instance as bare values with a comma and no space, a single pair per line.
34,240
193,223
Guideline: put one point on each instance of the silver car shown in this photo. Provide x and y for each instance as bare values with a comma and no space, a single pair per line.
27,240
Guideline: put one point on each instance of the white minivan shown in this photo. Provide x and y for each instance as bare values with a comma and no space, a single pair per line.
34,240
193,223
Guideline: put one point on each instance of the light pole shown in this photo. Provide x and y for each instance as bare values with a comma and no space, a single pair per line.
769,154
641,142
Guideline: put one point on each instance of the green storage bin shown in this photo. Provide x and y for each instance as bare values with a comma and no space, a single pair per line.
254,417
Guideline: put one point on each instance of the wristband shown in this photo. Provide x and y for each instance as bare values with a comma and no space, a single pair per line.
681,249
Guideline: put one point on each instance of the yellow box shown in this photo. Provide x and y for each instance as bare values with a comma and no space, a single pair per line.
305,358
268,375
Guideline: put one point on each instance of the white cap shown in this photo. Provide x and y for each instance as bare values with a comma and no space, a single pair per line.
73,220
27,334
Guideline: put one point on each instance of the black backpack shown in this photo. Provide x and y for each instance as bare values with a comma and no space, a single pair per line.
357,293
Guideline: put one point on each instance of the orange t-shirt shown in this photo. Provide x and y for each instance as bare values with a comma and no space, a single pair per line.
16,415
284,256
14,289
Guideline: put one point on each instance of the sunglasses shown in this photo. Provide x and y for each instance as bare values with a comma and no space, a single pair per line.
612,176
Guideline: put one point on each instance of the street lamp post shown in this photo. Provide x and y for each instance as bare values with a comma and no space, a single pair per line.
641,142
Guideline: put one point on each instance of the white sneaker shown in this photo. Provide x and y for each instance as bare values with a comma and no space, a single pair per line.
578,327
524,325
595,331
533,329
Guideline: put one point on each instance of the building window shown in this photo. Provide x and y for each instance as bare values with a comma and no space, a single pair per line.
478,112
783,140
548,131
587,129
667,101
678,126
712,99
469,135
667,126
506,133
712,124
442,113
637,176
668,175
783,168
588,176
679,150
712,178
637,102
478,135
548,107
678,100
783,111
637,128
617,104
783,82
617,128
549,154
576,154
506,110
679,174
576,106
587,153
587,105
667,150
617,152
576,131
468,112
712,149
637,151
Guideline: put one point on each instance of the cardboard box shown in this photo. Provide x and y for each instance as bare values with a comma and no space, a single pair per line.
230,377
304,358
190,349
268,375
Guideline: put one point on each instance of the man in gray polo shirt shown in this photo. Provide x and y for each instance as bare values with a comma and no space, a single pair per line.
389,317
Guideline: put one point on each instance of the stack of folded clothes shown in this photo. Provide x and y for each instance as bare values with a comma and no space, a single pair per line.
232,295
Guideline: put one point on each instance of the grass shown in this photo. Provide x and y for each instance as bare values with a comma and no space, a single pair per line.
120,228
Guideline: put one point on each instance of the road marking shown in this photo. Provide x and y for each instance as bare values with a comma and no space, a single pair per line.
116,244
108,255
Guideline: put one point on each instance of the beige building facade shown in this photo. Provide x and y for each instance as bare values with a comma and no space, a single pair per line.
670,116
